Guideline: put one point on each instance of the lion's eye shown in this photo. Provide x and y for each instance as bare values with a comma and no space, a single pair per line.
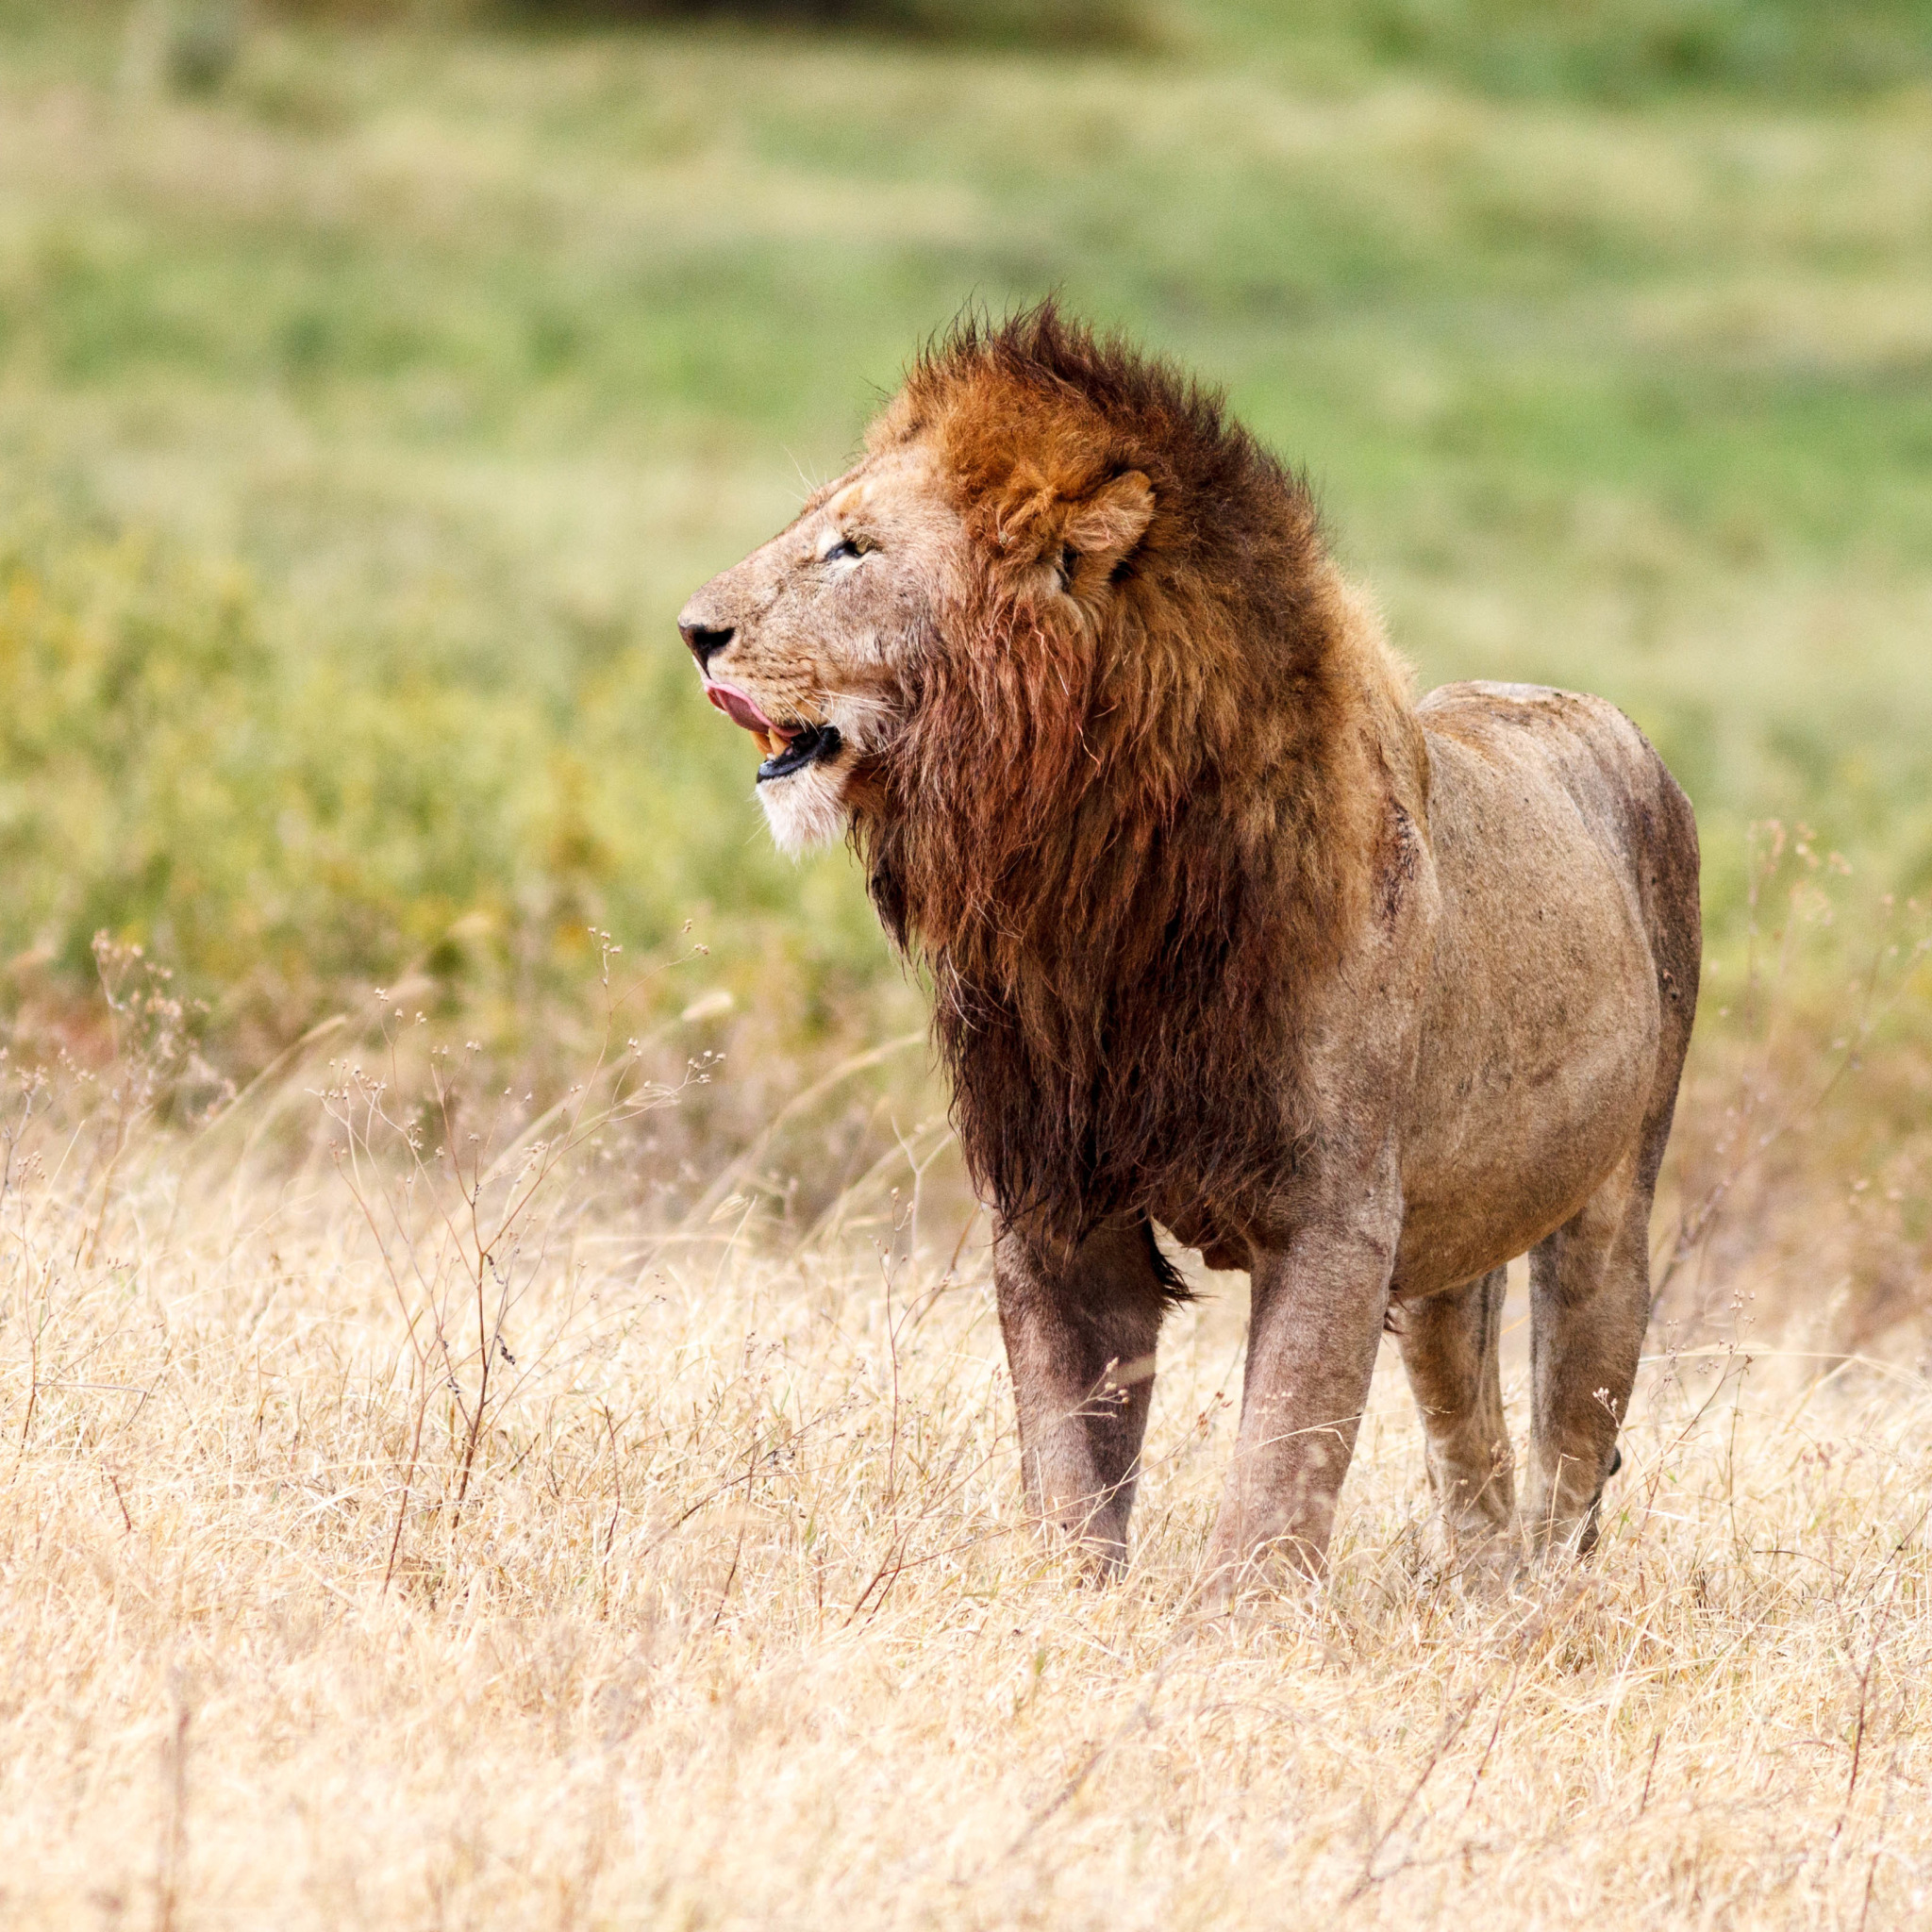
844,547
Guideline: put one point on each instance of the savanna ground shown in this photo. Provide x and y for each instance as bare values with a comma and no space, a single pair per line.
590,1498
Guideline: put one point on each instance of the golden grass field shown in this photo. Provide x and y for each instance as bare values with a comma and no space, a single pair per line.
714,1604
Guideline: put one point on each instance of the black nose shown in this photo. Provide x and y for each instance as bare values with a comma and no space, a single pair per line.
704,643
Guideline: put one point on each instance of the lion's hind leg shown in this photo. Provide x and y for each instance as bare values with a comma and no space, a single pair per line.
1590,1306
1450,1351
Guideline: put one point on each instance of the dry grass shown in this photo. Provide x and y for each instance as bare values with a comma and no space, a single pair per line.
716,1604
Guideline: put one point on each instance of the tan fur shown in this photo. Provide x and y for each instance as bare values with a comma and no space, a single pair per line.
1228,935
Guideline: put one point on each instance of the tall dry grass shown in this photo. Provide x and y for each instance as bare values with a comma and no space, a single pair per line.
406,1520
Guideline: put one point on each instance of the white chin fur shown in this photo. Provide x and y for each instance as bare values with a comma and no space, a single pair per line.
806,809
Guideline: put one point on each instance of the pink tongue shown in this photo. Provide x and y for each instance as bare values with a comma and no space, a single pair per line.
741,711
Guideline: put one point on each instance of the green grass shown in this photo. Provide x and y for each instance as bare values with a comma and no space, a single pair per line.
364,424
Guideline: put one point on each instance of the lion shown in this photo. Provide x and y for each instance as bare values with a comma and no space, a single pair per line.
1230,936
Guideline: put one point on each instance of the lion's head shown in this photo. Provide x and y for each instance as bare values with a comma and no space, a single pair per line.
1065,656
818,643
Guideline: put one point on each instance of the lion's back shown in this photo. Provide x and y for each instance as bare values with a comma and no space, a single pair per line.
1622,789
1585,741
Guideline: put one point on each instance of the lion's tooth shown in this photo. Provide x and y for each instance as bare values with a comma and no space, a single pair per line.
764,739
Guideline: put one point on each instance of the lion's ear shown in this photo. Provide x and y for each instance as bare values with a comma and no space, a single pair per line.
1109,523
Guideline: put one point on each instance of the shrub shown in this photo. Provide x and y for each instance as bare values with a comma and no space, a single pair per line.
1630,49
1016,23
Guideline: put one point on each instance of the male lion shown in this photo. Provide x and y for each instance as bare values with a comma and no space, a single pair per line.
1361,995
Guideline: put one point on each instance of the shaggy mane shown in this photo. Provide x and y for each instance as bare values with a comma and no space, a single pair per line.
1131,834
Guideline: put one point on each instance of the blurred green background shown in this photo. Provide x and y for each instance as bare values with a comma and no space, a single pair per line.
375,382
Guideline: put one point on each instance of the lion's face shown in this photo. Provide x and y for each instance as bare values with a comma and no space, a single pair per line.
803,641
934,548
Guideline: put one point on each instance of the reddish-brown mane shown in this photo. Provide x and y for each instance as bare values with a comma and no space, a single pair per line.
1128,844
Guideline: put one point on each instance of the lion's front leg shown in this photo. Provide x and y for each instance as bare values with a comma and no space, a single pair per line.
1080,1336
1319,1304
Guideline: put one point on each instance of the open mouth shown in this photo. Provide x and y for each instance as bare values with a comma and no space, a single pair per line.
805,747
788,748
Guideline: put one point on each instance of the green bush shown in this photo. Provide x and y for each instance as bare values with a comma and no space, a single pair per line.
272,828
1013,23
1074,23
1632,49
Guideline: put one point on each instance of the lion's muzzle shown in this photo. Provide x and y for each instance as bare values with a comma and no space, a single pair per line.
788,748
